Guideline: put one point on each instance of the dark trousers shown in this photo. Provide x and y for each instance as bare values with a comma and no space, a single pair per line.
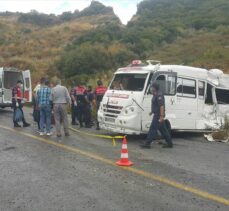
88,114
84,113
154,127
36,117
20,107
97,109
74,112
81,113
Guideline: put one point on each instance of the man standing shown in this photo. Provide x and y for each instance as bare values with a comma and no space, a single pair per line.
158,123
17,98
99,93
61,99
36,109
73,106
81,98
44,103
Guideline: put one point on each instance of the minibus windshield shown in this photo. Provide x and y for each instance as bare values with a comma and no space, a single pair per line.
129,82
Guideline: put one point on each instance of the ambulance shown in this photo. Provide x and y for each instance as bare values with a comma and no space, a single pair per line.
8,79
196,99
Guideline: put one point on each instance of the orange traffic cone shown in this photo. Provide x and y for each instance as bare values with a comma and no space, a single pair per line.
124,161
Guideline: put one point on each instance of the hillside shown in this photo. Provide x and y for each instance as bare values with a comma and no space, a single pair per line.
35,40
191,32
79,45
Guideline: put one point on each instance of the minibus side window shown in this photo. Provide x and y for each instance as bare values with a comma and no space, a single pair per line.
186,88
161,82
222,96
201,89
167,84
0,83
27,83
209,98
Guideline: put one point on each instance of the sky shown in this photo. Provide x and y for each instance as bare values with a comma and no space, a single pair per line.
124,9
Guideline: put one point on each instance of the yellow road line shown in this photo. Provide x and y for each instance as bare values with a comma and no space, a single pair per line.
148,175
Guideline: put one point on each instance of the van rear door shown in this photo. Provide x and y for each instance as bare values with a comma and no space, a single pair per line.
27,85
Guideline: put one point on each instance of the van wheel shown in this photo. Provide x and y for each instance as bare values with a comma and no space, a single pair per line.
168,126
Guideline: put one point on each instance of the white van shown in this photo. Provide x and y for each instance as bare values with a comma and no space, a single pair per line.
8,79
196,99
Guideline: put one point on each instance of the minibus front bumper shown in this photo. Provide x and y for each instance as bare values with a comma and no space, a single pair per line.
130,125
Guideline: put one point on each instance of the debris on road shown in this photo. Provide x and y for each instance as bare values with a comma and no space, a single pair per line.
219,136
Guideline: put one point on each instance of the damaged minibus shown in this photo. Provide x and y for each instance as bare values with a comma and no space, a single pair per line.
196,99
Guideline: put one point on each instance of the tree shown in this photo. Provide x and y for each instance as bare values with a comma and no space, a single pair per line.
85,59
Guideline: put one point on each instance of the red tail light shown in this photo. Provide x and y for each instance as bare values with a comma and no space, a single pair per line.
26,95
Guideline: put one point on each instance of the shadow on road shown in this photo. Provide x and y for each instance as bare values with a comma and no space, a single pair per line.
6,110
175,135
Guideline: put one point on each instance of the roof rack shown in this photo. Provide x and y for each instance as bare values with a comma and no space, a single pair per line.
153,62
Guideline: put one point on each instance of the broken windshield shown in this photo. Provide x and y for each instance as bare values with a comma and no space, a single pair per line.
222,96
129,82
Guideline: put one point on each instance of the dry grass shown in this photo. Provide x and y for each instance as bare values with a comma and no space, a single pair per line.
36,48
203,49
223,134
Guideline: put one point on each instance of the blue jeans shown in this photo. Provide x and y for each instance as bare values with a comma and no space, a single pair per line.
45,118
154,127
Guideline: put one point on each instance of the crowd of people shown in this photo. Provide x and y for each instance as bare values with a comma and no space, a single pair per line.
54,99
82,102
50,105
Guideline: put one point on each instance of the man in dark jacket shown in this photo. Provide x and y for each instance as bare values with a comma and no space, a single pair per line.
158,123
100,90
82,101
73,106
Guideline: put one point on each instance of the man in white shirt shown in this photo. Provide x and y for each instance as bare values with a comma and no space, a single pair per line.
61,99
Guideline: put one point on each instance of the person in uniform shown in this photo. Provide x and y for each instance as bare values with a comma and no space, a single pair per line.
82,100
73,106
99,93
90,98
158,123
17,98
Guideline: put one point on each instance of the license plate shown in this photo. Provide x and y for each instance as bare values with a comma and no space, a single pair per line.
107,119
109,126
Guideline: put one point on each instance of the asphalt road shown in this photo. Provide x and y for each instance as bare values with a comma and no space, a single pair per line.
78,173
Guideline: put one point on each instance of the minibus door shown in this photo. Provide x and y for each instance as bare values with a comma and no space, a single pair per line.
186,104
209,111
27,85
202,99
167,83
146,118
